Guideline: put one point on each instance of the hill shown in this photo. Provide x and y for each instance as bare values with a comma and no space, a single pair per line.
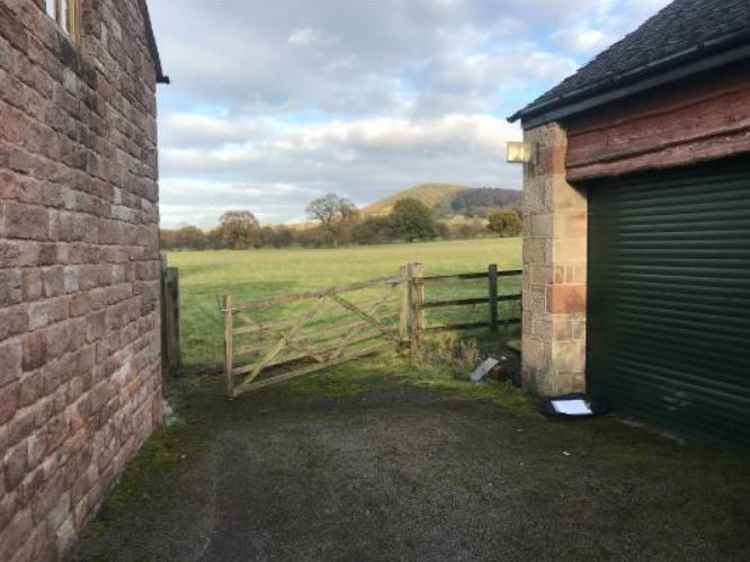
450,200
431,194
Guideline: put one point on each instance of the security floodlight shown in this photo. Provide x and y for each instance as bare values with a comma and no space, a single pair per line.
519,153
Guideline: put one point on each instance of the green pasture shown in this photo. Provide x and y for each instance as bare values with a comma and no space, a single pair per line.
259,274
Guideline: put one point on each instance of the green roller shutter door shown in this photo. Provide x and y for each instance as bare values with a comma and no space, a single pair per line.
669,297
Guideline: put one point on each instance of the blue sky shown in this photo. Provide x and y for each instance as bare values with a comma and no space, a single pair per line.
275,103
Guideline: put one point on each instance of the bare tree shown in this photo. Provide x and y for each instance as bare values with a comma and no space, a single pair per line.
336,215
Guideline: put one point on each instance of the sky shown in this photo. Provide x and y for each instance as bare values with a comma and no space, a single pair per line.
275,103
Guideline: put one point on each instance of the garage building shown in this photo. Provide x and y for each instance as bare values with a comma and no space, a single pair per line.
637,224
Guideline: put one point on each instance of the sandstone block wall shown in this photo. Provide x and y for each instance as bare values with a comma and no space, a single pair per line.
555,265
80,379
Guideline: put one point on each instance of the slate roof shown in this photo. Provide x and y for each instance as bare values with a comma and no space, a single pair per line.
684,29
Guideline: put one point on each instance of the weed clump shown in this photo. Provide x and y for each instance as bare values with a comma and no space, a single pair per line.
449,351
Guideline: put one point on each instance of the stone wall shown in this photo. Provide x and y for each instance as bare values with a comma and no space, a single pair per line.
80,386
555,257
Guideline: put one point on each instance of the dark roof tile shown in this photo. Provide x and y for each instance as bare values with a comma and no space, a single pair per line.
681,26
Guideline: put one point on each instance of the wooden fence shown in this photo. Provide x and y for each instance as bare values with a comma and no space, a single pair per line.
275,340
419,285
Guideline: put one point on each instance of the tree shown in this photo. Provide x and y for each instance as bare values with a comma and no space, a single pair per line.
167,239
283,237
477,202
214,241
373,230
443,231
336,216
412,220
266,237
505,223
311,237
239,229
184,238
190,237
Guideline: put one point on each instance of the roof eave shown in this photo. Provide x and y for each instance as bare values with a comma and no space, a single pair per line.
700,58
161,78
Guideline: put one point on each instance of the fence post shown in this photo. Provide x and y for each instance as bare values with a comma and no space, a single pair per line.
405,312
163,311
228,341
493,298
416,276
169,280
419,296
173,315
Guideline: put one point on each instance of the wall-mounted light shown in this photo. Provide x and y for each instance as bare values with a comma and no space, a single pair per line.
520,153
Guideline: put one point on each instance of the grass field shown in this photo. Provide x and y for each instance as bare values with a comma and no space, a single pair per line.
249,275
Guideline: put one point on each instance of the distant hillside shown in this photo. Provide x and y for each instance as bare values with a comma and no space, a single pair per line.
450,200
479,202
432,194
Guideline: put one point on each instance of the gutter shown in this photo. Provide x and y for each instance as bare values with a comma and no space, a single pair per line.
634,81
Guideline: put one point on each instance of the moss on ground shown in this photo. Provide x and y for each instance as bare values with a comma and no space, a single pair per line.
168,452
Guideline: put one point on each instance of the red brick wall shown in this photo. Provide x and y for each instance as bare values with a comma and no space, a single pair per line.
80,386
704,118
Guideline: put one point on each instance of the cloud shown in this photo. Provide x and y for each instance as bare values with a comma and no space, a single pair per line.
582,39
201,202
606,23
344,58
277,173
307,36
275,102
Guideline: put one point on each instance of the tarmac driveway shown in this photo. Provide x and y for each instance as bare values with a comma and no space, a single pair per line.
398,473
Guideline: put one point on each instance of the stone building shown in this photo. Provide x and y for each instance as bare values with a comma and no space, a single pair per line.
637,229
80,386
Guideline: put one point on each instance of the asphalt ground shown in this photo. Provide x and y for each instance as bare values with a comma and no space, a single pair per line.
403,473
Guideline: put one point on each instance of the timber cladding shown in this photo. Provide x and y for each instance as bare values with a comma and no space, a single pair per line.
700,119
80,386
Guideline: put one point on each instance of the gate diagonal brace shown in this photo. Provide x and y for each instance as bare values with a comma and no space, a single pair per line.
367,317
285,339
371,312
310,352
295,344
264,327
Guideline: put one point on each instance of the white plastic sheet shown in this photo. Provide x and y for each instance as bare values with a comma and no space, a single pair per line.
572,407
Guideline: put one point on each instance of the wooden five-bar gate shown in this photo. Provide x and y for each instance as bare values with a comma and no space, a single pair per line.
273,340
